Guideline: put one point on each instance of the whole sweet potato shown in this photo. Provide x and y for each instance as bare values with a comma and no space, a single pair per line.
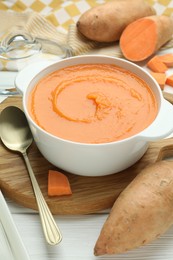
142,212
105,23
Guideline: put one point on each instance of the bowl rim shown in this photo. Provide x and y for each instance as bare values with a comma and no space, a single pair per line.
82,57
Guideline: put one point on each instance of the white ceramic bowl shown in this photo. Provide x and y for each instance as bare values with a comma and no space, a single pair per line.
94,159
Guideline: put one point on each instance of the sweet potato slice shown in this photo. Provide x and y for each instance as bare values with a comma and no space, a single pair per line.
143,37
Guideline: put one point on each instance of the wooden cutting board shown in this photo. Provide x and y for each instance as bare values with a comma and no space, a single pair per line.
90,194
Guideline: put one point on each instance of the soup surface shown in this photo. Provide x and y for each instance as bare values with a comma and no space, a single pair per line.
92,103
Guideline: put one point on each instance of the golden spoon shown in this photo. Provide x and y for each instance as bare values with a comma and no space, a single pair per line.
16,135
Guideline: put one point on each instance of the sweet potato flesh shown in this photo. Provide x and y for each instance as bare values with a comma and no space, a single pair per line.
138,41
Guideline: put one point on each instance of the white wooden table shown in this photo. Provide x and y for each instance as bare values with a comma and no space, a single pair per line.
79,236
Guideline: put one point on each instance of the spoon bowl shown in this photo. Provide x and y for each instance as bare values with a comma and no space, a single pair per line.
16,135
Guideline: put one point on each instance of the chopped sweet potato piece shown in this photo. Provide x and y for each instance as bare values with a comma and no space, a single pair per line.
167,59
58,184
160,78
156,65
169,80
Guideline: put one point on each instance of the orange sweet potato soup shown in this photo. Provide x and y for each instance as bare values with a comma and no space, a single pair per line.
92,103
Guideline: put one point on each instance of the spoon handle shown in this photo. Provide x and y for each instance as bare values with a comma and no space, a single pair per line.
51,231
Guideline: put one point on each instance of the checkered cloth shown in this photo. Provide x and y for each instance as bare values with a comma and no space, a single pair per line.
62,13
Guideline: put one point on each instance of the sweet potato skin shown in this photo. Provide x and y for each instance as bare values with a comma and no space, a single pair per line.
105,23
142,212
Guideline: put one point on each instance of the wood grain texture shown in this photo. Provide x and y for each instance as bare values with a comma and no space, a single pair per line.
90,194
